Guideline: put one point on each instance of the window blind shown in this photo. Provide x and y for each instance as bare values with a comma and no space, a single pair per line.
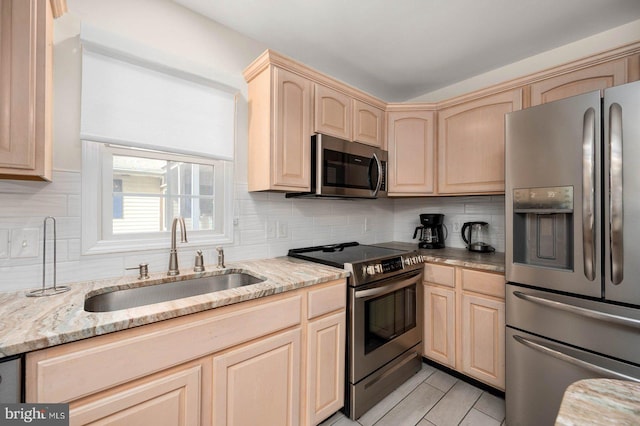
135,105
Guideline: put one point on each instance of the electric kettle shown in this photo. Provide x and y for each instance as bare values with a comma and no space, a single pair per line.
472,243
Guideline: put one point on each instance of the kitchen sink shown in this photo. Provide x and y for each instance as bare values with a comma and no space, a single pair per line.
147,295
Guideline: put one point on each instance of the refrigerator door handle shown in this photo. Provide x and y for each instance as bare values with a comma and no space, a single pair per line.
572,360
615,196
588,193
577,310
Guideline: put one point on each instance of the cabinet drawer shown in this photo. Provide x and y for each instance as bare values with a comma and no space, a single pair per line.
67,372
439,274
483,282
327,299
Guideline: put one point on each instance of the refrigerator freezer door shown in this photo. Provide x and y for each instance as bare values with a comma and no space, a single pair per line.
539,370
622,189
600,327
553,153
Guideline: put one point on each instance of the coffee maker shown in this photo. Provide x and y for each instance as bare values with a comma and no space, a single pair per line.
433,231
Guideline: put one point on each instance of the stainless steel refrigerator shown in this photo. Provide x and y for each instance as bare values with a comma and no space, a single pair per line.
572,216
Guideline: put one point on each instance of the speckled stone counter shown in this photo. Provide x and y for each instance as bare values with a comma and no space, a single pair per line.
600,402
492,262
28,324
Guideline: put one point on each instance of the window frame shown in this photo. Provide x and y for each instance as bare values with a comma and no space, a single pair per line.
97,202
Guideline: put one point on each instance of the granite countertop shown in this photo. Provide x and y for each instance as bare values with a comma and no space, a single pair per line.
492,262
600,402
31,323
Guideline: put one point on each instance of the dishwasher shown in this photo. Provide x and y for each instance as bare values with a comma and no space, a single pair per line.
11,380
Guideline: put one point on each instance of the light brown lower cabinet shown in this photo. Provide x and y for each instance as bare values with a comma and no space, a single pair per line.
259,383
275,360
464,321
168,398
325,367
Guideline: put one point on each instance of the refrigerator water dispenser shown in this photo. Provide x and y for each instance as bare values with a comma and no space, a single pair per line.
543,227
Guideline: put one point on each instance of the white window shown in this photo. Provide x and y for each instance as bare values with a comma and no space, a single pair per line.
130,197
157,143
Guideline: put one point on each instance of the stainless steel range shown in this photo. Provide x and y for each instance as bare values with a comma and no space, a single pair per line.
384,318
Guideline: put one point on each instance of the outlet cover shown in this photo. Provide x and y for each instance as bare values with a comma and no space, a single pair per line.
24,242
4,243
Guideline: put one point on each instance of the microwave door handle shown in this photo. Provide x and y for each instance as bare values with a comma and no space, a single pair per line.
615,196
588,193
379,166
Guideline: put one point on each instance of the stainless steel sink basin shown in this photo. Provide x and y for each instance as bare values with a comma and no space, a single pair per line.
140,296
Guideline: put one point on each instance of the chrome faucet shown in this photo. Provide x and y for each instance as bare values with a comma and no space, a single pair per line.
173,254
220,257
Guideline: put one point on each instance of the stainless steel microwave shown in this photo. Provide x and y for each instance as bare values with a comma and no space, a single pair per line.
344,169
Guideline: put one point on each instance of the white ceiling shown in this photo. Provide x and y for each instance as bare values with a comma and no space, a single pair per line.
401,49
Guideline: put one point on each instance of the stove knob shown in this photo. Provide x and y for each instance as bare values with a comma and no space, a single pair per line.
371,270
378,268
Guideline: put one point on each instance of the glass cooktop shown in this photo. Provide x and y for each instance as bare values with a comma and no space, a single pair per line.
338,255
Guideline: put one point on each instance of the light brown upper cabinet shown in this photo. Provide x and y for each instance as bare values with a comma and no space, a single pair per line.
368,124
471,144
595,77
411,145
26,82
288,103
332,112
279,131
342,116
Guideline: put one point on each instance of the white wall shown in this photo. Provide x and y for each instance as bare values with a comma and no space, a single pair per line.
166,32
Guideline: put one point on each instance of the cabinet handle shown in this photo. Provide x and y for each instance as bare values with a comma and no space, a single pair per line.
577,310
572,360
615,196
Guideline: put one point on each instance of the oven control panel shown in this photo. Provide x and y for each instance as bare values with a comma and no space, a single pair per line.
394,264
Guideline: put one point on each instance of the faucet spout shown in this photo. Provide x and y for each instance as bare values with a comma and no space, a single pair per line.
173,254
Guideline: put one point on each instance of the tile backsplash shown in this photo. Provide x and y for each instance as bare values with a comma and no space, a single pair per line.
456,210
266,225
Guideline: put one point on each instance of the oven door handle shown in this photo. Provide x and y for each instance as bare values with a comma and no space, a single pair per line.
379,291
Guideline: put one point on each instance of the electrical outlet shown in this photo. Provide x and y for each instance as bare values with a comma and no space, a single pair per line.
367,224
4,243
24,242
457,226
282,230
272,227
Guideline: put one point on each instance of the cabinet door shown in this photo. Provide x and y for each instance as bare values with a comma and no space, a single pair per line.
597,77
368,122
168,398
291,160
259,384
332,112
471,144
411,153
325,367
483,323
439,342
26,29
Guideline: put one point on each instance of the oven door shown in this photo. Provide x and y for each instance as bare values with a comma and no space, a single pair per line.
385,321
350,169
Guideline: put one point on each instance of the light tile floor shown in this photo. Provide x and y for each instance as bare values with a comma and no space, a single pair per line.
431,397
